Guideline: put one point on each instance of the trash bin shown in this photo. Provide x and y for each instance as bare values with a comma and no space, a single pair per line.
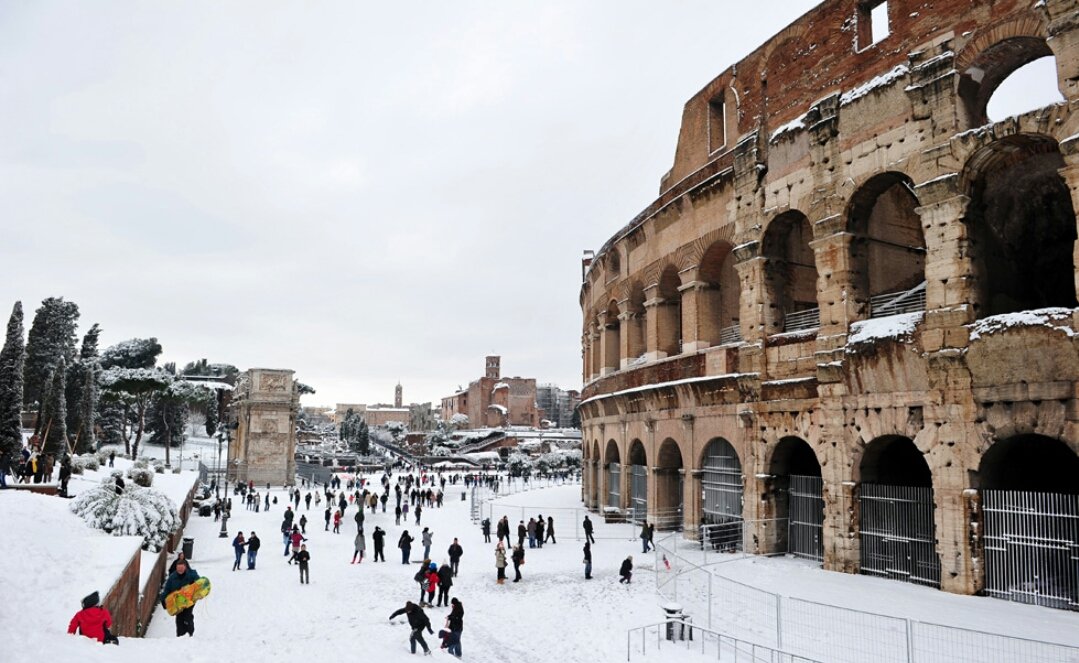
188,547
676,621
205,510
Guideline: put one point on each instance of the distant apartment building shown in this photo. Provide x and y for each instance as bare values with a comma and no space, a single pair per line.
494,401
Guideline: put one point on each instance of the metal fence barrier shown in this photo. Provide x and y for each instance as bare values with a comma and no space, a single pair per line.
689,575
724,646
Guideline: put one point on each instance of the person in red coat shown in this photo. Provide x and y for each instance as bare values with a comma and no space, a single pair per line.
93,621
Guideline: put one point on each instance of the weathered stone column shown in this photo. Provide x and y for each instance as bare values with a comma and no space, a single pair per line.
949,272
691,517
1070,173
611,346
631,338
1063,39
698,329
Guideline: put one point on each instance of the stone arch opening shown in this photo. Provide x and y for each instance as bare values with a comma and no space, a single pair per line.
887,247
721,485
667,513
798,498
1031,86
614,264
638,482
612,338
983,76
613,462
790,275
718,305
634,324
1030,499
1022,226
669,312
898,536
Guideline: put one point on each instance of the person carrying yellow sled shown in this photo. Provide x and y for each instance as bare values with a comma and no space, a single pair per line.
183,587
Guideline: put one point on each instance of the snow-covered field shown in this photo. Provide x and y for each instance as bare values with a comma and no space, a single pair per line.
554,614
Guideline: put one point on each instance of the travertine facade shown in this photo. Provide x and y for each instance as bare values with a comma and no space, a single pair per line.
830,285
264,407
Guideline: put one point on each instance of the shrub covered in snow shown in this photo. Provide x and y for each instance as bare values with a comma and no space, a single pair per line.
518,464
141,474
135,511
80,464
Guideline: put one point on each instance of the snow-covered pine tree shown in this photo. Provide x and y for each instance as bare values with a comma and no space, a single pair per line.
11,374
83,392
129,377
52,336
54,412
135,511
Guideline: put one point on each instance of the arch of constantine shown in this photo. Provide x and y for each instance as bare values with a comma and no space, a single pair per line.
845,328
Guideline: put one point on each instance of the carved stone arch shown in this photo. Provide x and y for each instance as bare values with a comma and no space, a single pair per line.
991,56
650,274
684,258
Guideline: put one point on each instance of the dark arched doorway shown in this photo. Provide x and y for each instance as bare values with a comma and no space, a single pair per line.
667,513
638,482
1030,495
896,526
798,500
613,462
721,496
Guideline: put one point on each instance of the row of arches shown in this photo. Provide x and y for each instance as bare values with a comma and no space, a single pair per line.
1027,483
1020,228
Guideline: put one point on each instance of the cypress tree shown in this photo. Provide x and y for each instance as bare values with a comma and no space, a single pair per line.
54,413
51,337
83,391
11,379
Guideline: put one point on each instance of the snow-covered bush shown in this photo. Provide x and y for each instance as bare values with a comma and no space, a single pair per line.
141,474
80,464
135,511
518,464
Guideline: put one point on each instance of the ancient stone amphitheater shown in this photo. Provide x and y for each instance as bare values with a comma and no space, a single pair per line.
845,328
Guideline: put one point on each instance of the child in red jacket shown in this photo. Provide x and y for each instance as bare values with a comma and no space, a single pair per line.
93,621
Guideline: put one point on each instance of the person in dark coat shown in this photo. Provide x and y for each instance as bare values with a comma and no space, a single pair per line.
455,624
522,532
181,577
587,560
93,621
238,545
379,538
455,551
303,558
588,530
485,526
253,544
180,557
518,558
445,581
405,544
626,571
417,621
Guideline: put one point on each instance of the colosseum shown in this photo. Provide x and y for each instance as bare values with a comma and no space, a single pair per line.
845,329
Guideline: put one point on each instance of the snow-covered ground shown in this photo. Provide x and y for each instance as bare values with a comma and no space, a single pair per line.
267,615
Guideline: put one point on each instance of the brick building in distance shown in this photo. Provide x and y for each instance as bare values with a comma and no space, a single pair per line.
493,401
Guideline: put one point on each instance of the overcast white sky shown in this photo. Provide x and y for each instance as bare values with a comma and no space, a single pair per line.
363,193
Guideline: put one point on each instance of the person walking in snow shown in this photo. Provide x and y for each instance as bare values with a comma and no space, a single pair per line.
181,577
645,535
419,510
455,551
540,526
337,522
626,571
502,530
588,530
238,545
253,544
303,524
417,621
328,516
426,537
445,581
522,531
405,544
379,538
295,538
303,558
587,560
518,558
93,621
485,527
431,581
550,530
360,547
455,624
531,531
397,515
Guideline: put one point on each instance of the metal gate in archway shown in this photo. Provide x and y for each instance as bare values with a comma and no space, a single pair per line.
897,533
721,488
805,518
614,481
1032,547
638,492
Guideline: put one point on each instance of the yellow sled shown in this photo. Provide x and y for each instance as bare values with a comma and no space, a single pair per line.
186,596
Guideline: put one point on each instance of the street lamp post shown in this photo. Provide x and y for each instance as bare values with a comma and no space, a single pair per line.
224,509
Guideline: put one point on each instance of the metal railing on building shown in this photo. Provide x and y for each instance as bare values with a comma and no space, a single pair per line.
732,334
894,303
800,320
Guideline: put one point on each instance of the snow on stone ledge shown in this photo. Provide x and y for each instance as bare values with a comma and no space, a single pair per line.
875,329
1056,318
885,79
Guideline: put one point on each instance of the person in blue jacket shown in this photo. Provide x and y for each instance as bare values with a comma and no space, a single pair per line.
181,577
